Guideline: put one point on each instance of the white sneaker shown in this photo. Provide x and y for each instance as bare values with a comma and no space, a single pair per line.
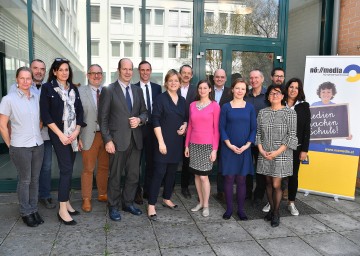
205,212
197,208
266,208
292,209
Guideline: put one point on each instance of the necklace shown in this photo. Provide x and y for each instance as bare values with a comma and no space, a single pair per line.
200,105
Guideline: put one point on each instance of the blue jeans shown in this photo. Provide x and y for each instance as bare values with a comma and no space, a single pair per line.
28,163
45,172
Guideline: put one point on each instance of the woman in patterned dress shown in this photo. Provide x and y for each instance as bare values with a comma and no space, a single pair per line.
276,140
202,141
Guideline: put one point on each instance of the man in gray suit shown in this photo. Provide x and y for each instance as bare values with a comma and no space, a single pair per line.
122,111
90,141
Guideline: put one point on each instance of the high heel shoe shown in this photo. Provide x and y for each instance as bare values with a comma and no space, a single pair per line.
175,207
75,212
70,223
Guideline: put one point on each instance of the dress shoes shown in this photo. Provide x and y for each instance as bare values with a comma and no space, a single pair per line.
38,218
75,212
30,220
186,193
69,223
275,221
47,202
138,197
227,215
175,207
242,216
102,198
131,209
114,214
152,217
86,205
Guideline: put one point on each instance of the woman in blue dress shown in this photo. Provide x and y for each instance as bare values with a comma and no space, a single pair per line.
238,131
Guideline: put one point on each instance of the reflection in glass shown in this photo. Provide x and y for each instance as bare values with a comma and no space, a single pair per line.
244,62
213,61
242,18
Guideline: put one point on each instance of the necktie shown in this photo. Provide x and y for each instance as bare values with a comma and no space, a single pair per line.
128,99
38,86
148,103
97,97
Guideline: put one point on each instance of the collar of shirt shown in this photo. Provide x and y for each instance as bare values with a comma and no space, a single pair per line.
142,84
263,91
124,85
22,94
218,90
95,89
297,102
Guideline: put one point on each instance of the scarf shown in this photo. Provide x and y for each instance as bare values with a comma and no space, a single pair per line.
69,115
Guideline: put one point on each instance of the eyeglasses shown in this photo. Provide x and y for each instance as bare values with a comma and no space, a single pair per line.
277,76
61,59
95,73
275,94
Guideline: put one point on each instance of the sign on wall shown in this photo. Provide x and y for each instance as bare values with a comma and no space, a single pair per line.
332,88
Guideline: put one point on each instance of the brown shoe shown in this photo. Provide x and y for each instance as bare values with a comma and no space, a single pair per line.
102,198
285,195
86,205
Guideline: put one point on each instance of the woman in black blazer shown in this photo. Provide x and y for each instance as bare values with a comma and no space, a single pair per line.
295,98
169,121
61,110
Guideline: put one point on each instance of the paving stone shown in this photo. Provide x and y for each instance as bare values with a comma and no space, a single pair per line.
288,246
128,238
344,206
84,242
223,232
9,211
305,225
338,221
129,220
145,252
352,235
7,198
332,244
321,207
189,251
6,226
261,229
27,244
245,248
47,228
172,217
178,235
216,214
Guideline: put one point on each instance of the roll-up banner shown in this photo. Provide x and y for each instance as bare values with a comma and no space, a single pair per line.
332,88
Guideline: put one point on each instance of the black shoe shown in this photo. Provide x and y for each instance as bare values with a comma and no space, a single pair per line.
38,218
75,212
175,207
114,214
30,221
47,202
242,216
227,216
131,209
186,193
275,221
152,217
268,216
138,197
69,223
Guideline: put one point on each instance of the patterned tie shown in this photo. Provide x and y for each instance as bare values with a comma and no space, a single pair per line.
128,99
148,102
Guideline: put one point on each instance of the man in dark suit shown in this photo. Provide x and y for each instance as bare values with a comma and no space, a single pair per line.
188,91
222,95
150,91
122,111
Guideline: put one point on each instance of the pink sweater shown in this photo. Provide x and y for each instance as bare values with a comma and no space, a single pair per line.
203,126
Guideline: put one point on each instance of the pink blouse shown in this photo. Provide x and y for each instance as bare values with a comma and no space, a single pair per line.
203,126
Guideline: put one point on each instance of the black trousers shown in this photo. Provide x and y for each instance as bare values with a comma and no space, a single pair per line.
186,175
293,180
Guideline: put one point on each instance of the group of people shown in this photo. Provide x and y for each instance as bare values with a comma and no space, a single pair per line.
113,126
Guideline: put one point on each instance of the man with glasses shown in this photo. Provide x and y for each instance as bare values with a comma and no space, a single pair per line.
38,70
90,141
278,77
256,97
150,91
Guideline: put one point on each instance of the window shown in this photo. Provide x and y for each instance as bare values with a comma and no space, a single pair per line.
94,13
185,51
158,50
115,49
223,21
173,18
147,16
172,50
147,50
159,17
128,49
53,11
94,48
116,13
209,17
185,19
128,15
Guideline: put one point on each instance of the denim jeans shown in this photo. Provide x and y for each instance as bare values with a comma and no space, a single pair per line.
45,172
28,163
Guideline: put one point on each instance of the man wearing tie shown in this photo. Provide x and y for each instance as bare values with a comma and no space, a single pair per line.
122,111
150,91
90,142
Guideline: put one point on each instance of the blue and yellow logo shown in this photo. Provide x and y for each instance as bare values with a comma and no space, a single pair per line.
355,69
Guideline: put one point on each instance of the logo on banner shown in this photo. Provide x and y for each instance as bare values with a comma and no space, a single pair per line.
353,72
